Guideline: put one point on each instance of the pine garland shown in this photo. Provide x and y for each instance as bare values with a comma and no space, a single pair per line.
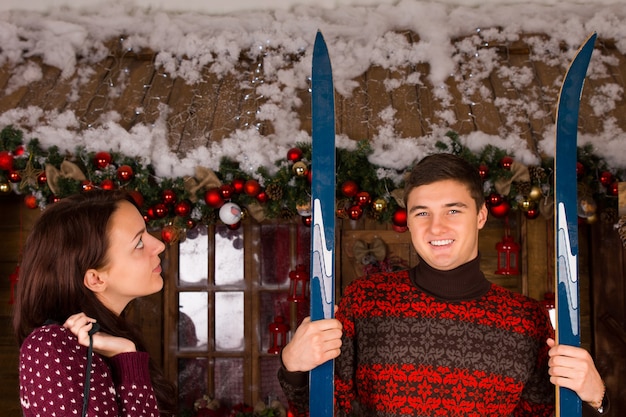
284,195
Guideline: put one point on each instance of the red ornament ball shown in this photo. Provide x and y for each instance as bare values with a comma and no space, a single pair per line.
606,178
399,217
137,196
169,234
19,150
349,188
125,173
580,169
501,210
102,160
494,199
150,214
213,198
168,196
355,212
506,162
42,178
294,154
307,221
613,189
252,188
238,184
399,229
227,191
107,184
234,226
182,208
160,210
483,171
14,176
262,197
363,198
6,160
532,213
30,201
86,186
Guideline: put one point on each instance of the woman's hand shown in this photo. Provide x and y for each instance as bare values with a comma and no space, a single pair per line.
103,343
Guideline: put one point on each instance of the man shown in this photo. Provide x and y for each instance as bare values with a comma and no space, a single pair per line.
439,339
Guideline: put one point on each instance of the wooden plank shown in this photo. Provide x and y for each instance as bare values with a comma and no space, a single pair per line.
136,76
378,99
159,91
405,102
179,102
352,112
38,91
228,109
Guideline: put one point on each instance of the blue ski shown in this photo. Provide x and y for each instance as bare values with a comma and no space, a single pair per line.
568,404
322,387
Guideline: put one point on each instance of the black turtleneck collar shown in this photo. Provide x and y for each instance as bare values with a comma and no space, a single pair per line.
466,282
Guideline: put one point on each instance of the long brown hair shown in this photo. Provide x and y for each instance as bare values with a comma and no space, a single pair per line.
70,237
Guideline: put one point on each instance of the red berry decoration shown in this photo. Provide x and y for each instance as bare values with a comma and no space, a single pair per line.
399,217
213,198
169,196
252,188
14,176
501,210
30,201
307,221
238,184
355,212
227,191
102,160
294,154
150,214
349,188
6,160
483,171
506,162
160,210
125,173
363,198
19,150
182,208
614,189
606,178
107,184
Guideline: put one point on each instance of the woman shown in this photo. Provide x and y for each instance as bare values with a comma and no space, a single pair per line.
86,258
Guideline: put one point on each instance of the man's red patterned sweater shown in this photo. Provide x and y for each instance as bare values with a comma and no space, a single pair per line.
437,343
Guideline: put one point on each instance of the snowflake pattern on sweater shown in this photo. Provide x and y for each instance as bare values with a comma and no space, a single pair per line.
52,378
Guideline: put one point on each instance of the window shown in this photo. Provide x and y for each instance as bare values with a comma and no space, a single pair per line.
226,289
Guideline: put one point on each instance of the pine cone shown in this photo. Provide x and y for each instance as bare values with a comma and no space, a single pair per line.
609,215
286,213
274,191
524,188
537,174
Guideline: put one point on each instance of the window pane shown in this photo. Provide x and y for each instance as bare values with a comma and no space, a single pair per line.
272,305
228,256
193,263
192,378
270,387
193,320
229,321
275,259
229,381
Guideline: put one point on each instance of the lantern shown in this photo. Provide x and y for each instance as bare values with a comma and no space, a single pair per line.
278,335
299,285
508,254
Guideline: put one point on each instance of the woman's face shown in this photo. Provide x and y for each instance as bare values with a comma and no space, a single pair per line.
134,267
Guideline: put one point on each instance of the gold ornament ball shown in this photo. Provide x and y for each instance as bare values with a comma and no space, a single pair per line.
526,205
299,168
379,205
5,188
535,193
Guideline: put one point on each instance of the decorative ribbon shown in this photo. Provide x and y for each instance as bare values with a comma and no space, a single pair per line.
68,170
368,254
398,195
204,178
520,174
